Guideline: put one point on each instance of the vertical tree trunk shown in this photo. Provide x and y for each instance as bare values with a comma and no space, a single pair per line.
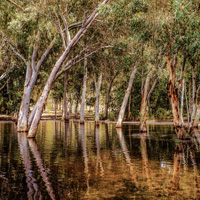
143,108
84,92
98,88
76,107
65,113
194,99
56,109
128,91
71,104
182,101
108,95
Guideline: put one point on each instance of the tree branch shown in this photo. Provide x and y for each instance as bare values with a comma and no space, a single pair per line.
12,2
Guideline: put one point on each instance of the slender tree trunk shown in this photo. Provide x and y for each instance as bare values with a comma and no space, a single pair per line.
56,105
71,104
48,85
98,88
128,91
182,101
65,113
194,99
143,108
76,107
84,92
108,96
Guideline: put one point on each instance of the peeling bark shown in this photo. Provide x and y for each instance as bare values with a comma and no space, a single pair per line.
124,103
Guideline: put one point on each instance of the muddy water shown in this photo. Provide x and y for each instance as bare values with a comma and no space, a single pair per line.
73,161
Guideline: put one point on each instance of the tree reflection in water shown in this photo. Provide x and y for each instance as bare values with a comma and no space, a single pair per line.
33,189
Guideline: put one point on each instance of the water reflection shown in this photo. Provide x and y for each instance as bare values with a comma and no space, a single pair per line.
33,188
73,161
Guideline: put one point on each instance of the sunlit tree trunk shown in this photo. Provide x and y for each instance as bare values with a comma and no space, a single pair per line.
83,93
76,106
48,85
172,92
124,103
98,89
65,113
31,77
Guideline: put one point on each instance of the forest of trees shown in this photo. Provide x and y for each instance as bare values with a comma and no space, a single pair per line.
138,59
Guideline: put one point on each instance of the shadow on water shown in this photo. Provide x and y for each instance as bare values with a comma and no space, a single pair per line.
73,161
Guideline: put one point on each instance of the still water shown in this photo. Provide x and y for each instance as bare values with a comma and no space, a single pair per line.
73,161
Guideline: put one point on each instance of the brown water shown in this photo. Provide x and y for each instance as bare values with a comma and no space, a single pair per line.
69,161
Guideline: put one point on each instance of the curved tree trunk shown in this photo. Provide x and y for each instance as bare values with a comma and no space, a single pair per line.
48,85
84,92
98,88
128,91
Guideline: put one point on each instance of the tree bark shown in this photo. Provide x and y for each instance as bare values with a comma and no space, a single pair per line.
48,85
143,108
182,101
172,92
65,113
71,104
108,96
76,107
84,92
128,91
98,88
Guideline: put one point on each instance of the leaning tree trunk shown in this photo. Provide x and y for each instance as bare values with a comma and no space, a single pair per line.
143,108
98,88
31,77
128,91
65,113
48,85
84,92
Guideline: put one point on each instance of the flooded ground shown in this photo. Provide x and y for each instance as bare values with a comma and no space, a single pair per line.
73,161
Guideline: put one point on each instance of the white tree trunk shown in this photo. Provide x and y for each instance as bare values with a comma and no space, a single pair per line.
182,101
48,85
124,104
84,92
65,113
98,89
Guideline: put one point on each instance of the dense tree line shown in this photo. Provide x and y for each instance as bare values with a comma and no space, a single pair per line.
138,59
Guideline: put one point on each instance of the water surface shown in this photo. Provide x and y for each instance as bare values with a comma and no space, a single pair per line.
73,161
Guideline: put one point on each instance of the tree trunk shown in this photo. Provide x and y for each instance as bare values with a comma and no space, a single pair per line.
48,85
128,91
143,108
76,107
182,101
56,105
98,88
71,104
108,96
172,92
84,92
65,113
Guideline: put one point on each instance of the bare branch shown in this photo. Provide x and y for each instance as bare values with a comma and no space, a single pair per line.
35,49
3,76
18,54
12,2
66,27
45,54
